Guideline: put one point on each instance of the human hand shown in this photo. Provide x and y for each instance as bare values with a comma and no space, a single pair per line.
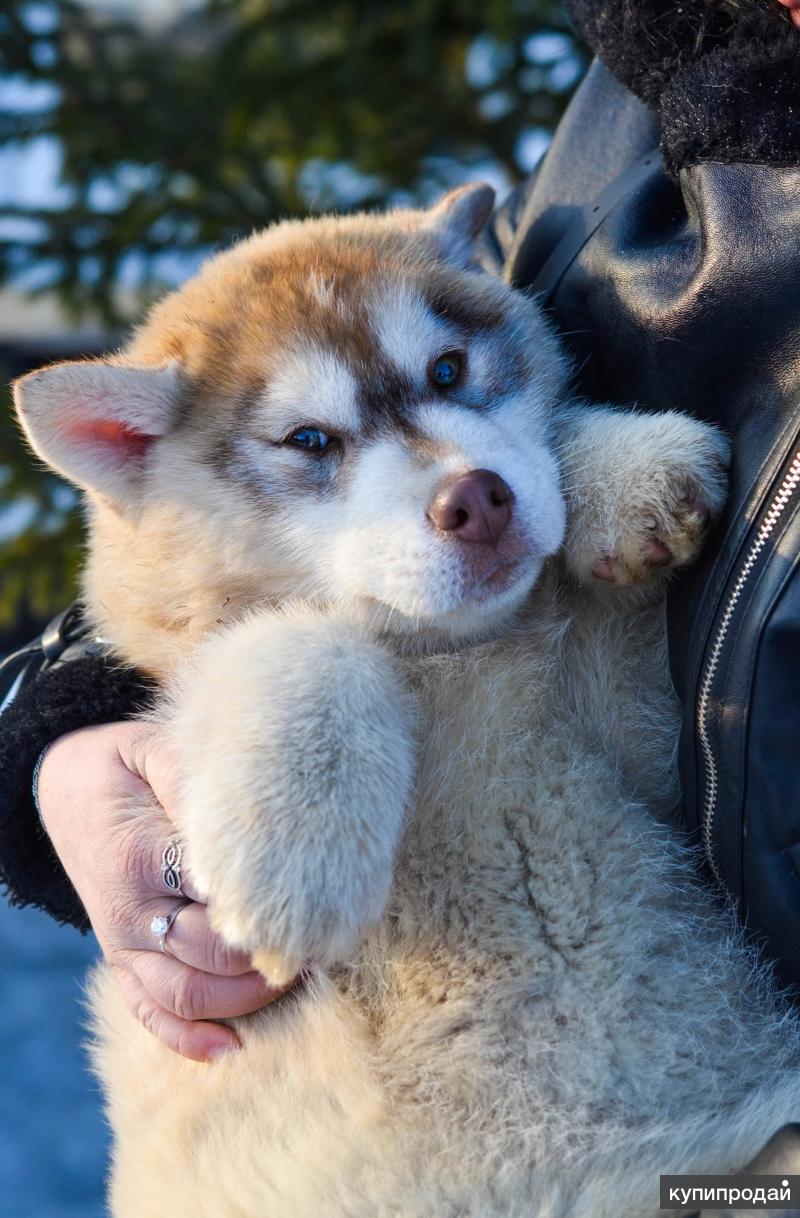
108,797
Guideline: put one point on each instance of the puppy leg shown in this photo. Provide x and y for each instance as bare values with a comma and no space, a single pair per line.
296,735
643,490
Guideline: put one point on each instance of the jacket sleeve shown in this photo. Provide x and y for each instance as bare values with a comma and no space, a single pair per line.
77,693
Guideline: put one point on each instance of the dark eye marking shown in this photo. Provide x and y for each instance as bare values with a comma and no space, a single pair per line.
447,370
385,394
470,317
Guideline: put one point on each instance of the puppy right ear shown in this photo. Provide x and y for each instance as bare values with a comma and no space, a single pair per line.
94,422
458,219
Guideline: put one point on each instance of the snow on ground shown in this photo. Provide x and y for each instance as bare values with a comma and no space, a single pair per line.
53,1141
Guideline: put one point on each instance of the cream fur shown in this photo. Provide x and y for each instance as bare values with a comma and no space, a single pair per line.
455,802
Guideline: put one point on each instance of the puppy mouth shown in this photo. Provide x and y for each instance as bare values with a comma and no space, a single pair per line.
464,590
494,587
501,577
488,571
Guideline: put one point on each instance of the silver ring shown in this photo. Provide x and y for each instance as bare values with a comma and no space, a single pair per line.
162,923
171,866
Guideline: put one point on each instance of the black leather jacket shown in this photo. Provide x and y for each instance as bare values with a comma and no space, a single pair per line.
682,293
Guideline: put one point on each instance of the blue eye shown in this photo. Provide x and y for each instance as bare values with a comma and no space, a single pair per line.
310,438
445,372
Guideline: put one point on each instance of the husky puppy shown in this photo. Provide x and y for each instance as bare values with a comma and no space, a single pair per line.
396,586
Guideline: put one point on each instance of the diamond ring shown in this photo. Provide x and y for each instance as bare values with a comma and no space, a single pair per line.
161,924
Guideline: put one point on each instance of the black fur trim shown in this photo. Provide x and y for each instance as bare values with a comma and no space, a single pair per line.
80,693
644,42
724,74
741,103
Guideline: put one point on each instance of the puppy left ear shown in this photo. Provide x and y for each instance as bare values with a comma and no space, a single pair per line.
459,218
95,422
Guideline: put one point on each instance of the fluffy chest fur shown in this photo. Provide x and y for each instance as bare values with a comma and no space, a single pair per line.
545,925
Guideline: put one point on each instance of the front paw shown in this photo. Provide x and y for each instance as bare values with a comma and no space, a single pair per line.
295,734
667,527
654,487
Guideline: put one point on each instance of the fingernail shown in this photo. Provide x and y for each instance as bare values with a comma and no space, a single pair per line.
226,1049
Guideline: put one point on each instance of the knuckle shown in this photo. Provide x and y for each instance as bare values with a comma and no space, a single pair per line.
122,960
221,956
187,996
143,1008
147,1014
119,916
134,856
141,1005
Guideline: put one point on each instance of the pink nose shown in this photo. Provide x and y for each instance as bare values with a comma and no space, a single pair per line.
472,507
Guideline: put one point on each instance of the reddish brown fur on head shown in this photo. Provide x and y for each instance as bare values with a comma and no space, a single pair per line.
230,324
202,502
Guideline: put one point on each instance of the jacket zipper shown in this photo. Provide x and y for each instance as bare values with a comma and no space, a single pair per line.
784,496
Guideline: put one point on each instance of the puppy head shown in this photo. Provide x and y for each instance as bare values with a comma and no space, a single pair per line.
344,411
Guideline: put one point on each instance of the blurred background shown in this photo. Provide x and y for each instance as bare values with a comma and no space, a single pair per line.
136,136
